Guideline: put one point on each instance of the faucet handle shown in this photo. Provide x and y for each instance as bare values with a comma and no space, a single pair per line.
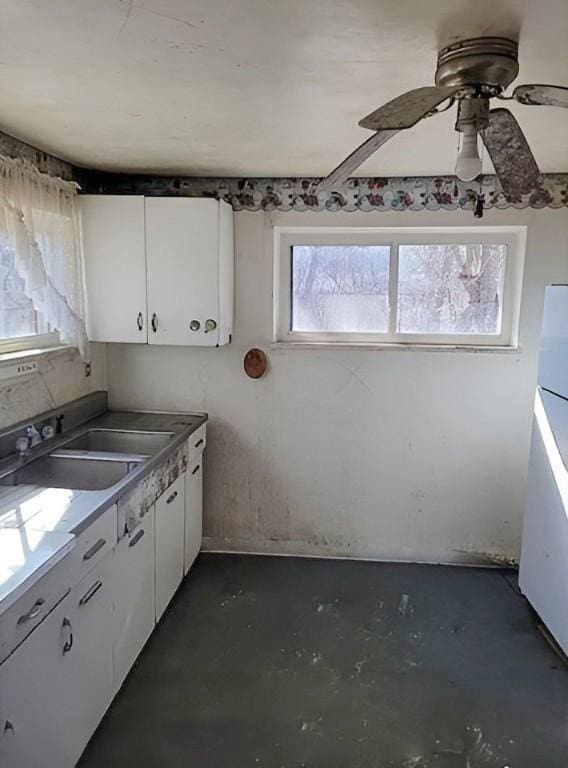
22,445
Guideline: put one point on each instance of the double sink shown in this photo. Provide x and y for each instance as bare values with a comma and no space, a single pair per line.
92,461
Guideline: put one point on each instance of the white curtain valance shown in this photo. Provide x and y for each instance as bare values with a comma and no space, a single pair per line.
40,222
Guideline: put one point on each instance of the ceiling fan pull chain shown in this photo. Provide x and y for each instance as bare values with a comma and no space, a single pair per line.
478,212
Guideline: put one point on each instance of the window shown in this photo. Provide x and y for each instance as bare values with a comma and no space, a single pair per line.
434,286
41,264
18,317
21,325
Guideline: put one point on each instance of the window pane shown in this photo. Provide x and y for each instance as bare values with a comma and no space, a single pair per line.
17,314
340,288
453,289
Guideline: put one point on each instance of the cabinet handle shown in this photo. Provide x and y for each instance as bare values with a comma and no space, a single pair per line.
154,322
198,443
68,644
90,593
140,321
196,470
94,549
136,538
34,611
171,498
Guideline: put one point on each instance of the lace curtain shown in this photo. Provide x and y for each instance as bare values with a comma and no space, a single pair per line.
40,222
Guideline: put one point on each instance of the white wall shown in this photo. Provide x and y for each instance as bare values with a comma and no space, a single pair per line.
60,378
380,454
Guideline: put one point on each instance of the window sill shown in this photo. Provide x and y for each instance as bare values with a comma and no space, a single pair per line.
394,347
15,356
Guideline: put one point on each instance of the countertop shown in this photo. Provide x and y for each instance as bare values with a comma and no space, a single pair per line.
38,525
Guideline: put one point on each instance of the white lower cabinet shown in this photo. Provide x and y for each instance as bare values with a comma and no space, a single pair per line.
193,512
33,696
56,687
170,523
134,595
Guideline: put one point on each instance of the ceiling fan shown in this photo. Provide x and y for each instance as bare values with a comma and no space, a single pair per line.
469,72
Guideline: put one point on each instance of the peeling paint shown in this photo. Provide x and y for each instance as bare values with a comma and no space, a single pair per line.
133,506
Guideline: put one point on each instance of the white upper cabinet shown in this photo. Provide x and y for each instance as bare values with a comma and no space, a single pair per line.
188,254
115,267
159,270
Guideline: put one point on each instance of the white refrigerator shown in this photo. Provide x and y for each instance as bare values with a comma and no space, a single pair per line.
543,576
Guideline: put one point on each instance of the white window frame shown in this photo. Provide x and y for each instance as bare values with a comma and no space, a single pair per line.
37,341
287,237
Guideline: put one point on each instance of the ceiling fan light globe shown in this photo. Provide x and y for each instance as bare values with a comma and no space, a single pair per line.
468,163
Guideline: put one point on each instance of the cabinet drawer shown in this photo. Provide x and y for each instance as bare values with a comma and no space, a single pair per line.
30,610
94,543
197,443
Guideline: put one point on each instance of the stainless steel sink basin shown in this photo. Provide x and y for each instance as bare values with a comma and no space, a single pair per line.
79,474
120,441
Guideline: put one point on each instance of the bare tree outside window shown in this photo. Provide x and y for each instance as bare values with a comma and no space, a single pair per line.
340,288
451,289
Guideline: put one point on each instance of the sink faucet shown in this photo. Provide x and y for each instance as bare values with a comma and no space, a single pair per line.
25,443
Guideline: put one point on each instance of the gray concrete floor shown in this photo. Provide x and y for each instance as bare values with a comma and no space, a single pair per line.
286,662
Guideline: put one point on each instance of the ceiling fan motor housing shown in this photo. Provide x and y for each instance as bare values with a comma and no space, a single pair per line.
488,64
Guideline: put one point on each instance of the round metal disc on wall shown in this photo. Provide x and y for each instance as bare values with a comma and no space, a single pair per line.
255,363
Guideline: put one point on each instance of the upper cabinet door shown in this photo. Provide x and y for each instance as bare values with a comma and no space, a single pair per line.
183,252
115,267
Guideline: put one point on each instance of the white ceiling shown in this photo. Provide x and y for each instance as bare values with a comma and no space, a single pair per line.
254,87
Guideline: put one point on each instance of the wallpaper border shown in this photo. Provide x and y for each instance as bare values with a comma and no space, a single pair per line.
410,193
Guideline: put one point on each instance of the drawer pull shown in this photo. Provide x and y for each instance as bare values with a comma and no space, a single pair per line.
34,611
68,644
198,443
94,549
172,497
197,468
90,593
136,538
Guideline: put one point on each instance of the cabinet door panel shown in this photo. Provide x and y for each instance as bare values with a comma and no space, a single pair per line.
169,521
115,267
33,697
182,251
134,595
89,663
193,512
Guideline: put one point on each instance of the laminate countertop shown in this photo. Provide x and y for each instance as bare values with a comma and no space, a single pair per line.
39,525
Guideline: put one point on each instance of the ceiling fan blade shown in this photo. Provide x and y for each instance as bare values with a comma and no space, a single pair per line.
355,159
545,95
406,110
510,154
